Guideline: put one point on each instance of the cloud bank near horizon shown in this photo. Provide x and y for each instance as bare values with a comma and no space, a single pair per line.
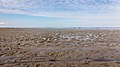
61,8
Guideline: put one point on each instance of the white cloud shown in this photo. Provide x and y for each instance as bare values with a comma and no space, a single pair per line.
67,15
2,23
63,8
10,11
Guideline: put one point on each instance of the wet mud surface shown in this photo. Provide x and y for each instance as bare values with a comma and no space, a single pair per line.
59,48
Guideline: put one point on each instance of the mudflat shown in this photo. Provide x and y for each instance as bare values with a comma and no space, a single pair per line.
59,47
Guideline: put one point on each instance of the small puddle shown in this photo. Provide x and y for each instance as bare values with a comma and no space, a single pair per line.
106,60
7,57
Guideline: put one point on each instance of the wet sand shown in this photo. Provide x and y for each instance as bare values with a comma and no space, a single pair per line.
59,47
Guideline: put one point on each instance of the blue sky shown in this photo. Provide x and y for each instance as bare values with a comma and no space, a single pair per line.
59,13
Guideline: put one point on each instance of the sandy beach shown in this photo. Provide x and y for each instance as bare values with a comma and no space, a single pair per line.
21,47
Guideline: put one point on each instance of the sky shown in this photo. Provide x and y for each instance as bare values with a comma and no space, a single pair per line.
59,13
